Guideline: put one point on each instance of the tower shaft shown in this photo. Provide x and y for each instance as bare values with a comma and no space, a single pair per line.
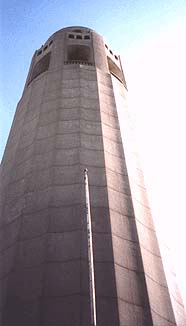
69,119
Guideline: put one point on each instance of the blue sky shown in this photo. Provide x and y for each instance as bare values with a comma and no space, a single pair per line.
150,36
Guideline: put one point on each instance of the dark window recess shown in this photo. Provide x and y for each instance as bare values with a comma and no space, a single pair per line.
41,66
39,52
110,51
46,47
116,57
50,43
106,46
87,37
78,37
78,52
114,69
71,36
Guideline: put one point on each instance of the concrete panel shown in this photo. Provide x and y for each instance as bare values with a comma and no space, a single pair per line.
24,154
70,92
98,196
49,106
23,313
107,311
90,127
130,314
130,286
160,300
67,141
42,161
109,120
25,286
62,311
143,215
93,142
148,239
69,114
37,93
34,225
67,127
126,254
118,182
66,195
15,190
9,234
62,278
46,131
105,279
63,175
20,170
32,113
31,252
67,103
13,210
113,147
120,203
30,126
35,201
38,180
111,133
123,226
65,219
52,94
115,164
64,246
44,145
48,117
91,158
96,175
153,267
70,83
68,156
6,261
160,321
89,103
90,115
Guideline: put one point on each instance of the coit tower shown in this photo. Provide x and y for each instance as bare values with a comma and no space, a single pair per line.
70,154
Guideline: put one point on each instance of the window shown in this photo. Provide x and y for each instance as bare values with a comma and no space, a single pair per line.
39,52
78,37
71,36
106,46
50,43
116,57
111,52
87,37
45,48
78,53
41,66
114,69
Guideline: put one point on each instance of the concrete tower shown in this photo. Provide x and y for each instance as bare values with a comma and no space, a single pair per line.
68,120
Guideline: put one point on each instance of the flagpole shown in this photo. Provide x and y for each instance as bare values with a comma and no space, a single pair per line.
90,253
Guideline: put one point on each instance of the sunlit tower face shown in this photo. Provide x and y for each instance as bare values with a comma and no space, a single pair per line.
68,120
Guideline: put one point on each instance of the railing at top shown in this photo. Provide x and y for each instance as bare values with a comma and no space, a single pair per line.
69,62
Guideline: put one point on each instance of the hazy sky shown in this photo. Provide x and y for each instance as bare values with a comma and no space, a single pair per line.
151,38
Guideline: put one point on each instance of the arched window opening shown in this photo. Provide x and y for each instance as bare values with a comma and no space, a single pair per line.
41,66
78,53
114,69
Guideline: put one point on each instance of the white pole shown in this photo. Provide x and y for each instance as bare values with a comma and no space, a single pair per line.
90,253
